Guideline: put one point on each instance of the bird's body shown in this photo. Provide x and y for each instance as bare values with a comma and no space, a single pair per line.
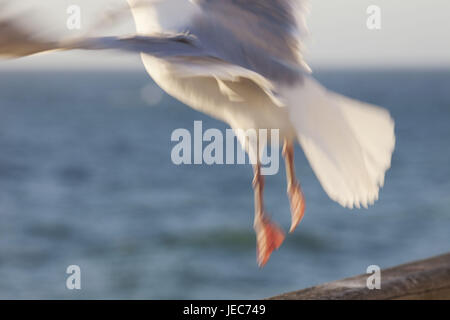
251,109
240,61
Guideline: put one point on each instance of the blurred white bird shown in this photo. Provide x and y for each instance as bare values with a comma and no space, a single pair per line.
241,61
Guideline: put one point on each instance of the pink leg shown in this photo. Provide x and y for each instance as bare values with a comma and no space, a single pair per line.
269,236
294,190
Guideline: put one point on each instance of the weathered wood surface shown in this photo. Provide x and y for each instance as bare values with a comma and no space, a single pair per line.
425,279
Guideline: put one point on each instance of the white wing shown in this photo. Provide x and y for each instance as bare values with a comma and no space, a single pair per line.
189,56
18,41
264,36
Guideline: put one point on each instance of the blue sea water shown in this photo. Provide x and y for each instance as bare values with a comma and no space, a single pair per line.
86,179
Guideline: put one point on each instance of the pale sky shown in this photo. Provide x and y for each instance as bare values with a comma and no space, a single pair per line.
414,33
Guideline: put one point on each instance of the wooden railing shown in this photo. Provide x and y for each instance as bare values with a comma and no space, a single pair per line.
425,279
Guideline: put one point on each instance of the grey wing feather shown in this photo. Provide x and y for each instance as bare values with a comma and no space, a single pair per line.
187,55
260,43
17,41
165,46
263,36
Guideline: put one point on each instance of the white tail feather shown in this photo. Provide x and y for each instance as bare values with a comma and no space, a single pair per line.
348,143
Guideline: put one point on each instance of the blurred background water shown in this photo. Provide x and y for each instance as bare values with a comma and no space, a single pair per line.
86,179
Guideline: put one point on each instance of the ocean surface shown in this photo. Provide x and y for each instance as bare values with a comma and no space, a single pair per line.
86,179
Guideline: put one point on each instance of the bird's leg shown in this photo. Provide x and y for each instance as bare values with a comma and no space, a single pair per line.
269,236
294,190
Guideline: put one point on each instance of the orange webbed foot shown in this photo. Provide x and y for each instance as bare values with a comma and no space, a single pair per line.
269,237
297,201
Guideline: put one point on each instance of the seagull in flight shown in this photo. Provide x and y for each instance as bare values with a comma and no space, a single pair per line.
241,61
